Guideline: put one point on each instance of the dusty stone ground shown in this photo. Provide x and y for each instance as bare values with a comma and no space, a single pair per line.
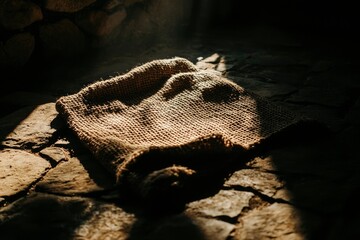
303,188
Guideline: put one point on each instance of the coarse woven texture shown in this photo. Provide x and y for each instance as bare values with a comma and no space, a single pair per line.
163,109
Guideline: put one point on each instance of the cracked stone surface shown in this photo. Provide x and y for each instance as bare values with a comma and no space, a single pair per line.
30,127
226,203
181,226
79,175
63,217
214,229
303,186
265,183
54,154
19,170
277,221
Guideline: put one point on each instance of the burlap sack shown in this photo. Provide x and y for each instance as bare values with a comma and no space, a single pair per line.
164,122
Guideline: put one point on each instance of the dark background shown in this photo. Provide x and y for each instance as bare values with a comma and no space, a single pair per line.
326,23
338,19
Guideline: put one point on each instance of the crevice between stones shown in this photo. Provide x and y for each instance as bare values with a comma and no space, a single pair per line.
55,136
281,173
257,193
102,195
26,191
52,162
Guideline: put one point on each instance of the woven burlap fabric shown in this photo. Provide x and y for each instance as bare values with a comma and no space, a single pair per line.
137,124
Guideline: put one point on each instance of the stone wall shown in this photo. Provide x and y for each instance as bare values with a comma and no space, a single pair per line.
52,29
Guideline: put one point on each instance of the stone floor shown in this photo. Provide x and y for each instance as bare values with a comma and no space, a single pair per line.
303,188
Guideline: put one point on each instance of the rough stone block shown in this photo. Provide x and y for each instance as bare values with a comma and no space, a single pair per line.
19,170
17,14
265,183
225,203
277,221
56,217
100,23
30,127
68,6
76,176
17,50
62,39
